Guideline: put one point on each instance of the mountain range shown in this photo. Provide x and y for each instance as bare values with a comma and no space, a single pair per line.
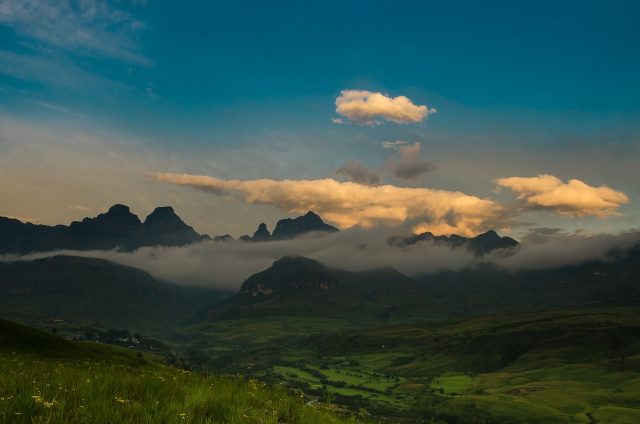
116,228
298,286
288,228
480,244
121,229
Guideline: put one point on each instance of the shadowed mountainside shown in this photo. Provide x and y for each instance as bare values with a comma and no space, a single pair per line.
98,290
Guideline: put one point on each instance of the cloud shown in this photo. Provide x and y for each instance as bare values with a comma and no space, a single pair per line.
364,107
358,173
408,165
88,27
349,204
574,198
562,249
227,265
393,144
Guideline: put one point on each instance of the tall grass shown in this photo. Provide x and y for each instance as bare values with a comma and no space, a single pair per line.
37,390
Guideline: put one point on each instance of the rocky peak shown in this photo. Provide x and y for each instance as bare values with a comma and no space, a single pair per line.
118,214
261,234
164,216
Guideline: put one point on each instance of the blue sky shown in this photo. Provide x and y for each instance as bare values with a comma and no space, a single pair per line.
247,90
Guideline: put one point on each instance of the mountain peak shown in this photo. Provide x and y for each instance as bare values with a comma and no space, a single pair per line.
289,228
164,215
488,234
262,233
119,214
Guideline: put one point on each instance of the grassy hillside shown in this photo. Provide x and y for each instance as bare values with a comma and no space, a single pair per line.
97,290
48,379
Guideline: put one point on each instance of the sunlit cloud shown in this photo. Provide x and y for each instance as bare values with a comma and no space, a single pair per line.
574,198
349,204
366,107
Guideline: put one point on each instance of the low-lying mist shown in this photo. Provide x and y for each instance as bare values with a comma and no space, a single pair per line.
225,265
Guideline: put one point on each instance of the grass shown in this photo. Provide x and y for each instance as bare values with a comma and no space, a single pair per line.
452,384
89,383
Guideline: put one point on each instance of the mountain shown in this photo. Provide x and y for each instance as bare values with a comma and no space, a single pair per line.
261,234
308,223
116,228
97,290
290,228
296,285
614,279
479,245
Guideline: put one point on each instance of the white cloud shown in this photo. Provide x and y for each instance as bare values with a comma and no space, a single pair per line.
365,107
574,198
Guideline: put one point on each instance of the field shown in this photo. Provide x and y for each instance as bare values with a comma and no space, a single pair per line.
560,366
48,379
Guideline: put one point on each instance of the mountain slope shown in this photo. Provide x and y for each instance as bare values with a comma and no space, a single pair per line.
97,290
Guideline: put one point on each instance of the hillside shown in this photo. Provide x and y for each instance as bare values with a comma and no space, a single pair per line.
298,286
47,379
97,290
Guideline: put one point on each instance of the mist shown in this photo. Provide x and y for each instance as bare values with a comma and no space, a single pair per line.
225,265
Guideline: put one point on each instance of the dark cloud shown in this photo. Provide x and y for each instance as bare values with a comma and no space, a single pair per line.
408,164
358,173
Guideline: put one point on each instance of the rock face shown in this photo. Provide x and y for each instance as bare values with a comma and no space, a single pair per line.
116,228
287,229
290,273
480,244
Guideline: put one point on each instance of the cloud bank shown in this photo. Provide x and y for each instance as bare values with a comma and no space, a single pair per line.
574,198
366,107
227,265
349,204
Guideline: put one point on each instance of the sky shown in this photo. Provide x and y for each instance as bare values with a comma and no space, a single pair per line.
450,117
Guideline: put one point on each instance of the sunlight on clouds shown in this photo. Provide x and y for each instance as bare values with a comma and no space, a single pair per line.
574,198
363,107
349,204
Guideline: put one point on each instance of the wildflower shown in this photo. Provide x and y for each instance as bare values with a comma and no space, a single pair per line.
183,415
50,404
120,400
